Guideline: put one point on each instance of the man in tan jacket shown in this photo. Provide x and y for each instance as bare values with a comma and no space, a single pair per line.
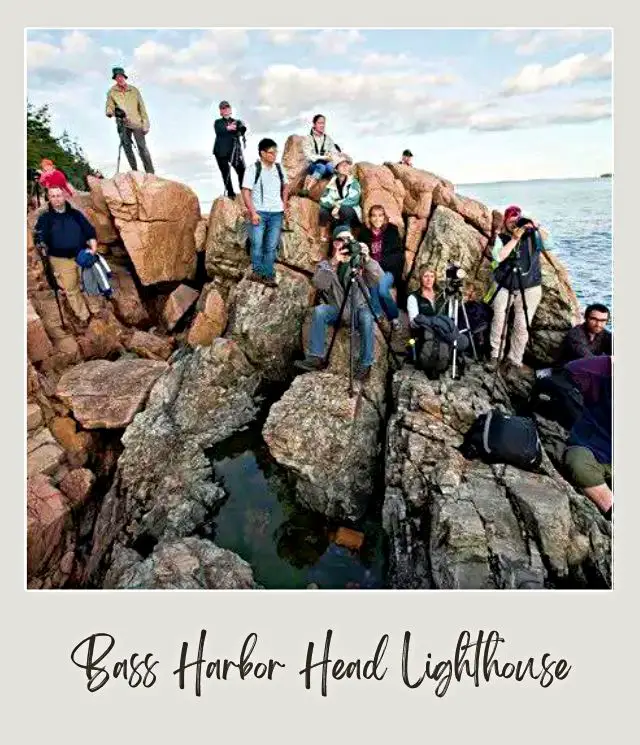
126,104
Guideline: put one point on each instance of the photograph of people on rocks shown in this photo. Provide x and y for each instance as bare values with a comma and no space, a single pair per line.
319,309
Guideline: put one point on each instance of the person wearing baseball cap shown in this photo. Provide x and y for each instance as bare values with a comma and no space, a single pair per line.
227,147
331,279
517,274
407,158
125,102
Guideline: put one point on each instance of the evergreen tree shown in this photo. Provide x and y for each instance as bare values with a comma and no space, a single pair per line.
63,151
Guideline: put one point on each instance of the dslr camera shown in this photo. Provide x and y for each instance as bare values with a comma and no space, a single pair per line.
353,247
119,113
526,223
454,277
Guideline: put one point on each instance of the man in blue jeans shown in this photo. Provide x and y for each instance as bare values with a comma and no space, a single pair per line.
265,192
331,278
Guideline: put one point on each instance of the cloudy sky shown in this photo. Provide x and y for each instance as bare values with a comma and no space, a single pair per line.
473,105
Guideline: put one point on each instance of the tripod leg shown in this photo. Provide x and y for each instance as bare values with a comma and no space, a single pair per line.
327,357
453,315
352,328
468,328
365,292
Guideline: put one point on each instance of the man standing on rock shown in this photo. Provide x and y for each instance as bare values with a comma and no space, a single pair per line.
227,148
65,231
126,104
265,192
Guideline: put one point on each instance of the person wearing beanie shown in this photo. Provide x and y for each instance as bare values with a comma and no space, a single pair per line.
331,279
522,242
124,102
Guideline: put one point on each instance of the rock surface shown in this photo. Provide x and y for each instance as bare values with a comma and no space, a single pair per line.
418,188
164,483
189,564
177,305
473,212
380,186
156,219
300,246
105,394
226,247
455,523
267,322
329,441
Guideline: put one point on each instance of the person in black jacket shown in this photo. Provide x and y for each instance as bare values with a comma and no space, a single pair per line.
227,148
66,231
383,239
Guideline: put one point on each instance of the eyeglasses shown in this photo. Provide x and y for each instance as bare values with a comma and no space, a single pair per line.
272,152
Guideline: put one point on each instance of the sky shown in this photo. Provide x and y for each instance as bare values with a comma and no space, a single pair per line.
474,106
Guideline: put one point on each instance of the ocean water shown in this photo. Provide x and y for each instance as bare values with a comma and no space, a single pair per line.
578,215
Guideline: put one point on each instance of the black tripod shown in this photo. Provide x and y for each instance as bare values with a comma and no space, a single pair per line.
452,297
355,279
513,269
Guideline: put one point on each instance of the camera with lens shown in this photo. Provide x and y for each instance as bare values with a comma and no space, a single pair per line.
454,277
526,223
119,113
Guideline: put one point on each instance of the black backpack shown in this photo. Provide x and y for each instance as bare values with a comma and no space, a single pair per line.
433,353
556,397
498,438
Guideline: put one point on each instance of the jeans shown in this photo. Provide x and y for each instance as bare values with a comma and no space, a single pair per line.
347,216
327,315
320,170
381,297
265,237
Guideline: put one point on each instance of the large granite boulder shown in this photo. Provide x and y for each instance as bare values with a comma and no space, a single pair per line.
156,219
226,247
380,186
475,213
267,321
300,245
107,395
329,441
418,188
455,523
187,564
164,486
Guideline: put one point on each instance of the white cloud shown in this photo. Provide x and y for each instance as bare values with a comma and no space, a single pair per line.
535,77
531,41
578,112
284,36
336,41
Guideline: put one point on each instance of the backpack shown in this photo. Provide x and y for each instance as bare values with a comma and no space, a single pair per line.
556,397
259,171
433,353
499,438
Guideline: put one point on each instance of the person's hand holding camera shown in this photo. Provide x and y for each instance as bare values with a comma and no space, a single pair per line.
365,251
340,257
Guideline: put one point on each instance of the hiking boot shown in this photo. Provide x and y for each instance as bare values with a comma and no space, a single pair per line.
269,281
362,373
255,277
309,363
491,365
395,324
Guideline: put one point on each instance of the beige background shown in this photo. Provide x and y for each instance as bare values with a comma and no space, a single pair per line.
44,694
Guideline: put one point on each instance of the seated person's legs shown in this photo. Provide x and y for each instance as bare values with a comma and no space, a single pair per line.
348,216
323,316
365,327
386,298
591,477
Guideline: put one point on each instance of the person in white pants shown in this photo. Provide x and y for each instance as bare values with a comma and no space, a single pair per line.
522,241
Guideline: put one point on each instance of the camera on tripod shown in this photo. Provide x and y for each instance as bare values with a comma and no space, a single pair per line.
454,278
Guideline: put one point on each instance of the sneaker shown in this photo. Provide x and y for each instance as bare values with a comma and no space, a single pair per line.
269,281
395,324
309,363
362,373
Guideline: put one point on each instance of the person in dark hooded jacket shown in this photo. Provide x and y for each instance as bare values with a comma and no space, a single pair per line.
383,239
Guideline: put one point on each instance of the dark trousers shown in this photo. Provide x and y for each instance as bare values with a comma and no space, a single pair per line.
346,216
225,172
127,146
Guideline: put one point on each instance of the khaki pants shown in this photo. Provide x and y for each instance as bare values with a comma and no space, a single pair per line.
68,277
519,337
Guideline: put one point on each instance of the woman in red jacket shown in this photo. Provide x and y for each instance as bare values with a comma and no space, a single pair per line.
51,176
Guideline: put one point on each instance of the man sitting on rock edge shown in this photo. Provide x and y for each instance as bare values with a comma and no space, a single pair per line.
331,279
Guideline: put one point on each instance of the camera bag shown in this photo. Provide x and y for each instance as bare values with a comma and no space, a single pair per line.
499,438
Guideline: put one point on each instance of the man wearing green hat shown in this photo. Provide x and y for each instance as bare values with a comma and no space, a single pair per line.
126,104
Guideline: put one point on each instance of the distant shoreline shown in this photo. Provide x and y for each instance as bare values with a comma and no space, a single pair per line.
535,180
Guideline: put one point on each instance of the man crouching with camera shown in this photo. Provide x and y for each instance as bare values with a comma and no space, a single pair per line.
518,276
331,279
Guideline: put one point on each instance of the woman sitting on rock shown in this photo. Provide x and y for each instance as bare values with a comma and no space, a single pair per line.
340,201
383,239
423,301
319,150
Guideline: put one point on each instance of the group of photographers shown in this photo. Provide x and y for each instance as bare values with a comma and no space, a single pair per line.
363,265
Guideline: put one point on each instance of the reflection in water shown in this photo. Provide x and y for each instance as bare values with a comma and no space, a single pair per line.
287,546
